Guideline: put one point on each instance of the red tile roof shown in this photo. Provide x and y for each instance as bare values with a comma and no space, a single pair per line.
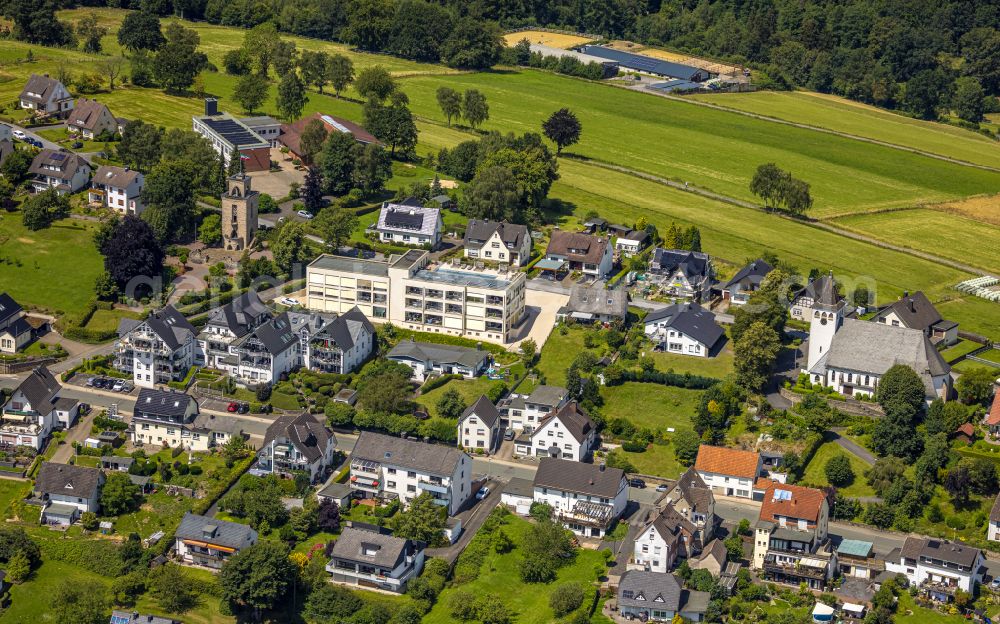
727,461
801,502
994,417
966,429
291,134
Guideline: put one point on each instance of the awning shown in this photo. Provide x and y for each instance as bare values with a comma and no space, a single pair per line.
584,316
208,545
812,562
14,417
853,608
548,264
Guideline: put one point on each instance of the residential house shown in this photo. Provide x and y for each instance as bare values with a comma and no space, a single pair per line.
65,172
46,96
91,119
632,242
693,499
715,559
664,539
229,135
367,557
684,329
739,289
595,304
386,467
821,291
856,559
338,346
566,433
118,189
479,427
682,273
427,358
217,429
936,567
158,349
208,542
297,444
290,135
656,597
518,495
498,241
270,350
729,472
409,225
524,412
225,325
917,312
585,498
67,491
167,418
574,251
791,537
15,330
134,617
29,415
993,529
66,410
992,420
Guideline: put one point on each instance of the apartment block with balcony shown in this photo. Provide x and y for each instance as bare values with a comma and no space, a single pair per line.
225,325
368,557
585,498
385,467
295,444
938,568
791,542
159,349
29,415
334,344
269,350
166,418
338,284
524,412
209,543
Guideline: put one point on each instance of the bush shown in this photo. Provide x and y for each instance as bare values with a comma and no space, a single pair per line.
566,598
838,471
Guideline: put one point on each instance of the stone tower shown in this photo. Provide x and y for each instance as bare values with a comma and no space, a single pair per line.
827,317
239,213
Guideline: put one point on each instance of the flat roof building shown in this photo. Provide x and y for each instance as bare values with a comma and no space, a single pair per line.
648,64
227,134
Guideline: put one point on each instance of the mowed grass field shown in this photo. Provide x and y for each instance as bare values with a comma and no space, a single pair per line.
843,115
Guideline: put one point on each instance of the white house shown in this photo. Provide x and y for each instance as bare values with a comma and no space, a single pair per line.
479,427
269,350
662,541
426,358
497,241
693,499
790,537
575,251
655,597
338,346
682,273
684,329
67,491
118,189
207,542
15,331
585,498
91,119
566,433
993,530
46,95
297,443
65,172
409,225
747,281
937,567
67,410
518,495
226,324
158,349
386,467
524,412
822,291
166,418
370,557
632,243
30,414
729,472
917,312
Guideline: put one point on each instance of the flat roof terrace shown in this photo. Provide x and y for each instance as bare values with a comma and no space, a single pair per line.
453,277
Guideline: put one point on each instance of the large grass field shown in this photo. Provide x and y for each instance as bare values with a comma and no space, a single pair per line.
53,269
469,389
650,405
718,366
843,115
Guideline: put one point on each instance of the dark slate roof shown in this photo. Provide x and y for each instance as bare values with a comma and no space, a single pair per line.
8,308
598,300
68,480
518,486
755,272
572,416
335,490
995,511
213,531
484,409
690,319
639,588
153,402
42,85
87,113
546,395
572,476
276,335
239,314
169,324
132,617
347,329
430,352
951,552
430,458
65,164
670,523
914,311
646,63
478,231
65,404
694,490
304,432
691,263
389,550
40,388
821,290
18,327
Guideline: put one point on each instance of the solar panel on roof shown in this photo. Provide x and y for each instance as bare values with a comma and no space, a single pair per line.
58,156
404,220
118,619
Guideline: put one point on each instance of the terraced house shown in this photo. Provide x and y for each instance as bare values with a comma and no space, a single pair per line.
159,349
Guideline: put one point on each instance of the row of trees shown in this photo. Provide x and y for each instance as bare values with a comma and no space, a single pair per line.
470,106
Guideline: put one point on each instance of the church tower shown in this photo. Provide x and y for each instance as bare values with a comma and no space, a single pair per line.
239,213
827,318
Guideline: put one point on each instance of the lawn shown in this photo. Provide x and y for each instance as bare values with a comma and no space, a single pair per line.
107,320
814,475
843,115
657,460
470,389
718,366
499,575
63,138
560,350
10,491
29,602
650,405
53,269
957,350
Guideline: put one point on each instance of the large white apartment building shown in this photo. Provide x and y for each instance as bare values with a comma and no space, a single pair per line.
411,292
158,349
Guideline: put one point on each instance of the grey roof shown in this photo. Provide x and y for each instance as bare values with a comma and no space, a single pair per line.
62,509
117,460
458,277
875,347
304,432
347,329
65,404
598,300
822,290
638,236
218,423
572,416
754,272
670,523
19,327
214,531
276,334
572,476
430,458
116,177
995,510
518,486
691,320
260,120
478,231
547,395
167,323
693,489
951,552
68,480
240,314
646,63
914,311
389,550
170,403
484,409
442,353
132,617
86,113
375,268
8,308
335,490
545,50
649,590
41,85
57,164
40,388
693,264
407,219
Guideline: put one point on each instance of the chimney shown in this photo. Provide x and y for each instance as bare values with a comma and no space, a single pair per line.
600,467
913,307
211,107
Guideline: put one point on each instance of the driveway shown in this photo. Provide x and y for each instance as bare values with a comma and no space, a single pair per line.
852,447
76,433
277,183
540,308
472,519
31,133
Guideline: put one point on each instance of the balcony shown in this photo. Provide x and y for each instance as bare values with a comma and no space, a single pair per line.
414,303
414,317
431,319
435,294
432,486
495,327
494,313
433,306
948,587
255,362
410,290
365,467
366,484
452,308
453,296
805,568
494,300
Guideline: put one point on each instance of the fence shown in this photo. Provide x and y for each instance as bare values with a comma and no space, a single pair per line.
851,406
19,366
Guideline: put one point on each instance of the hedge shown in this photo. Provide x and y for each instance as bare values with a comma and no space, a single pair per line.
434,383
678,380
182,385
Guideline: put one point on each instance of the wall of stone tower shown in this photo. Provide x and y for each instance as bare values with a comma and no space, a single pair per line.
239,213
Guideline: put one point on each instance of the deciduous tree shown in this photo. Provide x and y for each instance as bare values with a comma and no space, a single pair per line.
312,139
119,495
336,162
43,209
754,356
132,250
339,72
140,30
562,128
475,109
336,225
450,102
250,91
292,96
258,577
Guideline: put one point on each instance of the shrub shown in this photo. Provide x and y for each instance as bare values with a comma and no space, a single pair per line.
566,598
838,471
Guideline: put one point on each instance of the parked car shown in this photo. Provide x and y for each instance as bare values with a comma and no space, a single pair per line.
118,386
232,407
288,301
637,483
77,144
482,493
20,135
99,382
34,142
90,382
244,408
661,487
509,434
995,583
305,214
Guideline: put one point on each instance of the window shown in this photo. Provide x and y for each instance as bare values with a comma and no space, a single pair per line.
411,488
411,474
391,484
